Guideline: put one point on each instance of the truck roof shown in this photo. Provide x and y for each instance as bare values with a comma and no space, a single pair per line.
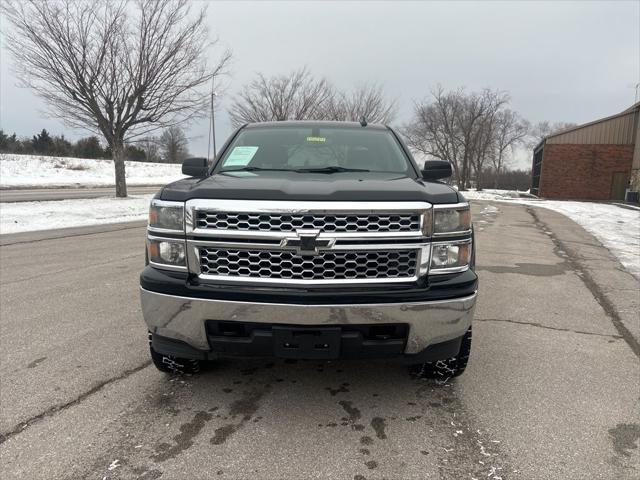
315,123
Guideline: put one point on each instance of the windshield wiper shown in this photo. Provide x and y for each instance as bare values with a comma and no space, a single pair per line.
249,168
331,169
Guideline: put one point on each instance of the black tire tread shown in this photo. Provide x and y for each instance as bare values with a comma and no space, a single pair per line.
174,365
447,368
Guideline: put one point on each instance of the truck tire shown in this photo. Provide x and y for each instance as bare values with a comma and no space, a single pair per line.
449,367
171,364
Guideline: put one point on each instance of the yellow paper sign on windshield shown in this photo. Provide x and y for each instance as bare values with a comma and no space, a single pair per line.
316,139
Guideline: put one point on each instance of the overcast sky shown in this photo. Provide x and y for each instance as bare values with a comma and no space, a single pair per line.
560,61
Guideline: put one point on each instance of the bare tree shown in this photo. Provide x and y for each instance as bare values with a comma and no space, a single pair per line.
151,149
459,127
173,145
434,129
541,130
116,68
484,146
491,103
296,96
300,96
477,131
511,131
366,101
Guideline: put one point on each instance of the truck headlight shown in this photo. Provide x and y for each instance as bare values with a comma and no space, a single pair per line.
454,219
165,215
447,257
167,252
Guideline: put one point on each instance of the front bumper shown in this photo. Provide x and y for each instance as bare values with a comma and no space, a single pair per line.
184,318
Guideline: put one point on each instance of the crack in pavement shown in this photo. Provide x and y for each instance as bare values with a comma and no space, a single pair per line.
86,266
22,426
583,273
547,327
63,236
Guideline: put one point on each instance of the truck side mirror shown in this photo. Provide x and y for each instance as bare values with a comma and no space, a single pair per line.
436,169
195,167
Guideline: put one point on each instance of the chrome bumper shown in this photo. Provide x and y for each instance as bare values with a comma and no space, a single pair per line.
183,318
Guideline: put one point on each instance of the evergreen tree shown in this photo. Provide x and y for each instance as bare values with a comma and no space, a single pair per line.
4,142
42,143
61,147
134,153
89,148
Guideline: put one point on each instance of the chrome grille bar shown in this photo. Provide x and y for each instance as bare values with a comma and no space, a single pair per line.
275,222
278,219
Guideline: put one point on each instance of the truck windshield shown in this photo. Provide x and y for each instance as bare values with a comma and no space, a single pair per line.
315,149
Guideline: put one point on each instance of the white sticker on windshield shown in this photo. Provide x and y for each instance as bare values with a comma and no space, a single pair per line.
240,156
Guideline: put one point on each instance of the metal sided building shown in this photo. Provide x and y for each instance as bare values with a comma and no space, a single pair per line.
599,160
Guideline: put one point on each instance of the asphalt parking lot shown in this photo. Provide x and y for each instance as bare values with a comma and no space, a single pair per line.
552,390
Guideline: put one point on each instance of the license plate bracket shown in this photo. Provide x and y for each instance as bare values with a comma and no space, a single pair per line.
307,343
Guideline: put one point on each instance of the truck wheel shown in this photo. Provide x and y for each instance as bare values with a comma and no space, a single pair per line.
449,367
171,364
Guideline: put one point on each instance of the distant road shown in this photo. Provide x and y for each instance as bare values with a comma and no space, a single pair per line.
39,194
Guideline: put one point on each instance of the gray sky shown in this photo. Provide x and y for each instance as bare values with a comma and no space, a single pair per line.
560,61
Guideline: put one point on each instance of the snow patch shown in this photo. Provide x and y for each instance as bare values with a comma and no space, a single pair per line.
21,171
31,216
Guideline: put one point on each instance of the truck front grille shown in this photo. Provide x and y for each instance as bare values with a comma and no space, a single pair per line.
327,265
276,242
275,222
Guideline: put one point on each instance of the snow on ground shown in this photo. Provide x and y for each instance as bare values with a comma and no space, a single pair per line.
30,216
39,171
616,227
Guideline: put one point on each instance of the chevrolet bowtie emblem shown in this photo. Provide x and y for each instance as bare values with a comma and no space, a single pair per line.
307,242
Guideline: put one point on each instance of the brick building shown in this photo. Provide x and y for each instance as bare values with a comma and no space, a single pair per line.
599,160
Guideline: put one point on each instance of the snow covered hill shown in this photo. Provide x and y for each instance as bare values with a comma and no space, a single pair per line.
18,171
30,216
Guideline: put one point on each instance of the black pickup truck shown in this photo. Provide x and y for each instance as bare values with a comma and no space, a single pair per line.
310,240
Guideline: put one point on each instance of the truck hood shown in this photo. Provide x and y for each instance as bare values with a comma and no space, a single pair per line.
342,186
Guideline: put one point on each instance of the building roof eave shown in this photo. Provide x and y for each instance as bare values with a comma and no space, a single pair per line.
634,108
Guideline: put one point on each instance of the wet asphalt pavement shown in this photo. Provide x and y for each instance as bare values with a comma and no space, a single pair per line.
552,389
